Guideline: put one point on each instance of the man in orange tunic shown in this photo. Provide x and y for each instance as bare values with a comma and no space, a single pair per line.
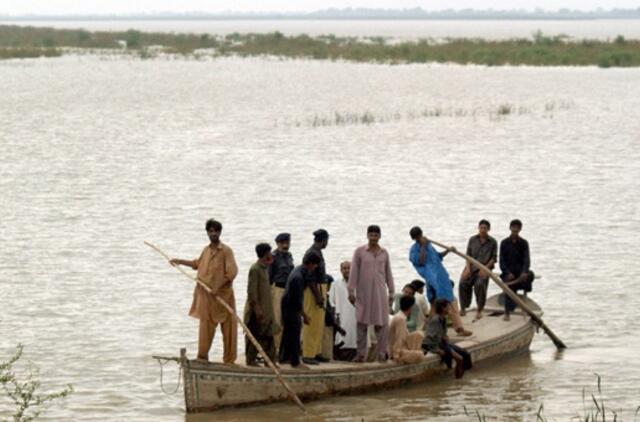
216,268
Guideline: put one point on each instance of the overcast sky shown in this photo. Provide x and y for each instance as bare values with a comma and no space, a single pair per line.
14,7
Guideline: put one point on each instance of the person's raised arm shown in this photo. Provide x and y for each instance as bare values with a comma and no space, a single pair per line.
176,261
443,253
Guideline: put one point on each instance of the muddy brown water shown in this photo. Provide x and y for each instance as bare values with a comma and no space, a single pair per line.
101,153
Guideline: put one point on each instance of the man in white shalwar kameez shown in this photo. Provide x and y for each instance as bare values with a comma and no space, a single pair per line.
345,346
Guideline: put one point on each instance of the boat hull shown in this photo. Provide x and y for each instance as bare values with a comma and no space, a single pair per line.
210,386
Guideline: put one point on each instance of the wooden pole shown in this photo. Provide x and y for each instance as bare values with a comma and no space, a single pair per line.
559,344
253,340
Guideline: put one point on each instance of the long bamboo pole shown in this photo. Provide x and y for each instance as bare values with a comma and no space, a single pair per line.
559,344
253,340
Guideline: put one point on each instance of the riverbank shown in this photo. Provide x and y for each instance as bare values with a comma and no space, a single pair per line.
539,50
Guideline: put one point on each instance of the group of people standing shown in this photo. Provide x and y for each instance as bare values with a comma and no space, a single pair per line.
301,316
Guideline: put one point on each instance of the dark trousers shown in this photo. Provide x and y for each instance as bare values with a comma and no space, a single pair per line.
448,356
266,342
290,344
344,354
473,284
526,285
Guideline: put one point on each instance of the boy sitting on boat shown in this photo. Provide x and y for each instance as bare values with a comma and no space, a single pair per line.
405,347
437,341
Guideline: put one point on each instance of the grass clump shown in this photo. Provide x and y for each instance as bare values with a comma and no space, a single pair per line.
28,52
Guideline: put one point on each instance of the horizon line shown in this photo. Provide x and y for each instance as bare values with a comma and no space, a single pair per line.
346,13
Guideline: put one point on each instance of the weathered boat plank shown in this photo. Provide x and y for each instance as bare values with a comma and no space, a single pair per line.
209,386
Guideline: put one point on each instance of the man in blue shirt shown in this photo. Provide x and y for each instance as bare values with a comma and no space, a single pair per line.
428,263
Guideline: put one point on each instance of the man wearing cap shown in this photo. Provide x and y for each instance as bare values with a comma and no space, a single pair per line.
258,311
279,271
216,268
428,263
314,294
371,290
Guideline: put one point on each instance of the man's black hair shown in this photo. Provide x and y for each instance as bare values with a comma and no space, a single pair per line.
373,229
417,284
515,222
411,286
320,235
262,249
406,302
311,259
441,304
213,224
415,232
485,222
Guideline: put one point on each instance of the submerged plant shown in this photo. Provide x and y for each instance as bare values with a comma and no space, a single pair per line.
29,403
596,412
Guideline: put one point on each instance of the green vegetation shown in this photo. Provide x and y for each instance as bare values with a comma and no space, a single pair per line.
540,50
501,111
23,395
595,412
28,52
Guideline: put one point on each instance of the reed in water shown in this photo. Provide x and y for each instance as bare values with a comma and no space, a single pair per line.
593,409
539,50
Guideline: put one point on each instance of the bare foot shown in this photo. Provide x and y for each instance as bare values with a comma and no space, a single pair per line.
462,332
506,317
463,312
301,366
478,315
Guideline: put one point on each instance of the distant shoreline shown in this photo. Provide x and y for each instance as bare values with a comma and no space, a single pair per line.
301,18
540,50
416,13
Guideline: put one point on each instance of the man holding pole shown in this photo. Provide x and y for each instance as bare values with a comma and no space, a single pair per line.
428,263
258,312
217,269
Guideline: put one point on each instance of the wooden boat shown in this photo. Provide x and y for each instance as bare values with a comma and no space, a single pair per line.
209,386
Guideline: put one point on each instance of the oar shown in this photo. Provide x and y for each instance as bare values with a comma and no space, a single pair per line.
559,344
266,358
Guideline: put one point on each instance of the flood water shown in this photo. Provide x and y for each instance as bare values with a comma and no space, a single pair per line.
101,154
397,29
